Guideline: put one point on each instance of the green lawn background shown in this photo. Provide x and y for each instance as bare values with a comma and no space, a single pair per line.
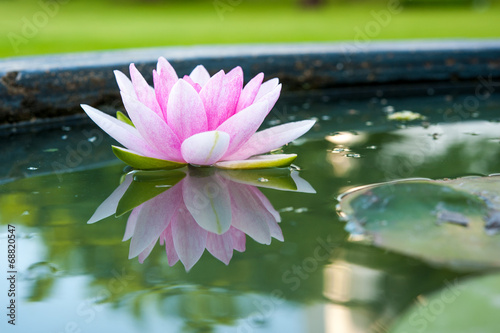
81,25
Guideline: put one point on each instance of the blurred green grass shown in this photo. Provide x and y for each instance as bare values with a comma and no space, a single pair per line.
99,25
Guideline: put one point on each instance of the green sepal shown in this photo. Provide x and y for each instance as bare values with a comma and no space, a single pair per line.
144,163
258,163
146,186
122,117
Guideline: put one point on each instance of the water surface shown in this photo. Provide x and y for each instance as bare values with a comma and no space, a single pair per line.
75,277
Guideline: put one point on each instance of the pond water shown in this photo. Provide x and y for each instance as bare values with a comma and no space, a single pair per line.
316,277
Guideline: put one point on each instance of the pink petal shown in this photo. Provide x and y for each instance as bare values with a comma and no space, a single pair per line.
145,93
121,132
208,201
189,238
152,128
267,87
164,79
172,256
221,246
144,254
213,99
186,113
195,85
205,148
200,75
124,83
154,217
271,97
250,91
233,84
249,215
108,206
131,223
267,204
270,139
243,125
239,239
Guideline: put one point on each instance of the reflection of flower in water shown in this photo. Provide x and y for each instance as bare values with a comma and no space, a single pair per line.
192,210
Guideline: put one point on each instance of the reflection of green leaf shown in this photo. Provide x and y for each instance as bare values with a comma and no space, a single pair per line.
147,185
465,307
122,117
278,178
143,162
424,218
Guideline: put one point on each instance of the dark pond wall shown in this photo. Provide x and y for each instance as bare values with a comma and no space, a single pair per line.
37,89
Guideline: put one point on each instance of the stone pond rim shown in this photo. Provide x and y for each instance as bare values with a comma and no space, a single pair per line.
39,89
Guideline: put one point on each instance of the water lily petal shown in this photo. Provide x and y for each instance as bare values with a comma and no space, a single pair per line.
108,207
200,75
208,201
189,238
266,203
271,97
144,92
205,148
212,95
243,125
195,85
271,138
121,132
153,129
302,185
141,162
154,217
249,92
172,256
144,254
131,223
164,79
239,239
233,84
221,246
259,162
186,113
124,83
267,87
249,215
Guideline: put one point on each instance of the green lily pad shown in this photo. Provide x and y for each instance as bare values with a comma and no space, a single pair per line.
143,162
447,223
147,185
460,307
122,117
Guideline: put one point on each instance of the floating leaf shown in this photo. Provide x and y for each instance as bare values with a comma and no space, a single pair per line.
442,222
460,307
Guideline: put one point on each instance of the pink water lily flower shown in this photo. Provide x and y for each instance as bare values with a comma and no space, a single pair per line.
197,119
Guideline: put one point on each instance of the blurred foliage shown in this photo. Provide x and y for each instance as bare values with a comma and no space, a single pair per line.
76,25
